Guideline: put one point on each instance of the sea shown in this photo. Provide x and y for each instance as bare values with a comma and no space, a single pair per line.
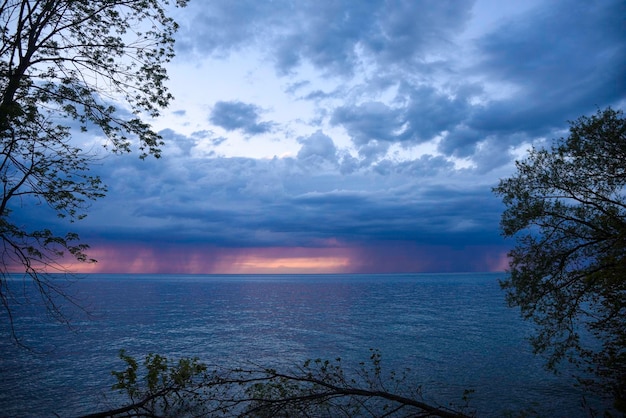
450,332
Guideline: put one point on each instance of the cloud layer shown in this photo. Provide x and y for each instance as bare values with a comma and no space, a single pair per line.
360,136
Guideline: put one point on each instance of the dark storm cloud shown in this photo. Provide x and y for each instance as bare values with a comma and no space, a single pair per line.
561,60
329,35
551,64
388,32
426,165
223,26
318,147
371,126
427,114
186,144
562,54
238,115
394,74
232,202
430,216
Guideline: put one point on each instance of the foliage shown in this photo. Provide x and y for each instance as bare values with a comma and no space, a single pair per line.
566,206
63,66
319,388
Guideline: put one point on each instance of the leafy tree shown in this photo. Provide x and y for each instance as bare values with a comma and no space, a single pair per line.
319,388
566,206
64,64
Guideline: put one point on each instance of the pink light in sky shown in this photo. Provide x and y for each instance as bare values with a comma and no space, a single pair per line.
395,257
129,258
285,260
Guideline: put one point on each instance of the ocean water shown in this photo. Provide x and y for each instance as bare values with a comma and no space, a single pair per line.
453,331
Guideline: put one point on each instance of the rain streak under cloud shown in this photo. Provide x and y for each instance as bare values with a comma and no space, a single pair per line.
329,137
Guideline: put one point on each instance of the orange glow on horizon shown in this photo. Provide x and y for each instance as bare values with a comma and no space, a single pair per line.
138,259
276,260
130,258
256,264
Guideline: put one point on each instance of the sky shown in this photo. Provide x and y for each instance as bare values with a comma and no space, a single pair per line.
336,136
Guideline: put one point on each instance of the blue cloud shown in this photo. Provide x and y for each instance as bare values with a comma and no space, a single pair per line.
388,75
318,147
430,113
372,127
238,115
229,201
561,59
564,60
329,35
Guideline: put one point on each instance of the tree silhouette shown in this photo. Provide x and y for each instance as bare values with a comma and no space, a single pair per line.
319,388
566,206
65,67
